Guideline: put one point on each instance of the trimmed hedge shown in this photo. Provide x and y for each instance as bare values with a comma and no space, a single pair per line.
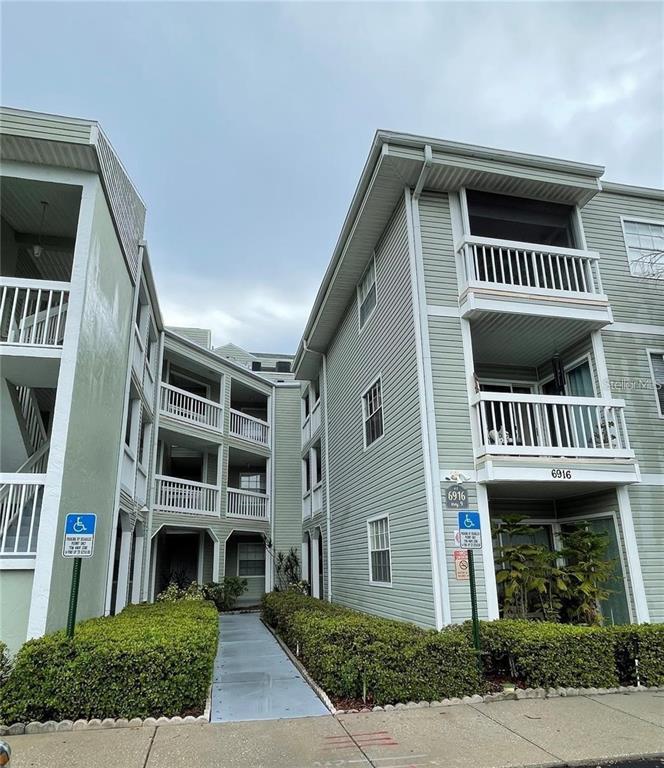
349,653
148,661
541,654
354,655
644,642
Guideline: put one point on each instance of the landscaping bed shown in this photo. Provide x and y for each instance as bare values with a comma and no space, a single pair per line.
151,660
366,660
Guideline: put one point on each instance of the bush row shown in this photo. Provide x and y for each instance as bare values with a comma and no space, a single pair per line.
354,655
351,654
148,661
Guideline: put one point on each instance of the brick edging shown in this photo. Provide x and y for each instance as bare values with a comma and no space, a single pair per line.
516,695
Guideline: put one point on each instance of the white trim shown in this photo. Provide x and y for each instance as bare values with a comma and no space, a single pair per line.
490,473
17,563
650,352
475,300
600,364
304,566
327,488
640,328
201,553
632,552
488,565
637,220
375,519
441,595
378,380
315,575
652,479
50,511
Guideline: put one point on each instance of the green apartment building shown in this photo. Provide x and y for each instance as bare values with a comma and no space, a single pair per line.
487,317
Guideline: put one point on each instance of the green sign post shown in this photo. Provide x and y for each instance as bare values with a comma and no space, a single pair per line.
470,538
78,542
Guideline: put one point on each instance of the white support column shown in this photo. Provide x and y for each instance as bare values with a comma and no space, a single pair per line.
487,553
201,556
215,559
305,559
315,576
632,554
123,565
139,545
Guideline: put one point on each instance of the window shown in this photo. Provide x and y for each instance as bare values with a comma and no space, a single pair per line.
372,406
366,293
250,558
645,248
379,551
252,481
657,367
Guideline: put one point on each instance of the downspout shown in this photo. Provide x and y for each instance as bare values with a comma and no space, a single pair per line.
328,536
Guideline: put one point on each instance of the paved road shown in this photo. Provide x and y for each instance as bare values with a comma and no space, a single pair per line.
254,679
510,734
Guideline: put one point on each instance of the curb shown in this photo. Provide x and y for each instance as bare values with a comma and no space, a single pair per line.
516,695
52,726
301,669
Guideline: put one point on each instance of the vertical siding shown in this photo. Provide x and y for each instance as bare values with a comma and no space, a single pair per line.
633,299
389,476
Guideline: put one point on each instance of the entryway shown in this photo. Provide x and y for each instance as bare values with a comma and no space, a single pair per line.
253,677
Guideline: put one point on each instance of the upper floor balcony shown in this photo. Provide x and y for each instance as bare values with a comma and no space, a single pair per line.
249,418
180,496
311,412
191,409
247,494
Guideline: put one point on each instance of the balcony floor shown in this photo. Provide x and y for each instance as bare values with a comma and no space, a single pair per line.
30,366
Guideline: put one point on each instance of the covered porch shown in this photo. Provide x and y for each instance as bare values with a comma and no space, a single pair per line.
246,557
182,555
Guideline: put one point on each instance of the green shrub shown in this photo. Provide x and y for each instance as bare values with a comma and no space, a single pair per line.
5,663
174,592
547,655
150,660
354,655
224,594
644,642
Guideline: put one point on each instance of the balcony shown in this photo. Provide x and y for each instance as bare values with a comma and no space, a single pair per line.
187,497
510,276
192,409
248,504
511,424
20,508
249,428
311,424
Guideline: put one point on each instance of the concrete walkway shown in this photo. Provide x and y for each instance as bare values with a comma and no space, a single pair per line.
553,732
254,679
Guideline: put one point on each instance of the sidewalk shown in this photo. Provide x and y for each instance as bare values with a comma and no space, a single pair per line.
531,732
254,679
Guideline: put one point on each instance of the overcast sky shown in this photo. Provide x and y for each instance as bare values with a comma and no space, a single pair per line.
245,126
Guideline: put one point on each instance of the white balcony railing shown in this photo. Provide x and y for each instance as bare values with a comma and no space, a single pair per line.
138,355
186,496
191,408
128,473
249,428
33,312
315,418
141,489
306,430
20,509
551,425
247,504
306,506
317,499
528,268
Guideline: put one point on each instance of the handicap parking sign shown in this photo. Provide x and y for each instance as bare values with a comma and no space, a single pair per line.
470,530
79,539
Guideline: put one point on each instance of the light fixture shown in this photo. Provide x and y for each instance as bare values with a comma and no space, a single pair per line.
38,249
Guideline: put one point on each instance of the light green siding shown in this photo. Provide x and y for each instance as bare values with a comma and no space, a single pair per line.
647,502
15,593
388,477
438,249
287,471
95,423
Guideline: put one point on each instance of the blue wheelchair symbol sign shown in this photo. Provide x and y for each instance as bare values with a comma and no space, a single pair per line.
80,525
469,521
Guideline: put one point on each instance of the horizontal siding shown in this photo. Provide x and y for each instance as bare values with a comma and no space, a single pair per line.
631,380
389,476
647,504
45,127
438,249
633,299
287,475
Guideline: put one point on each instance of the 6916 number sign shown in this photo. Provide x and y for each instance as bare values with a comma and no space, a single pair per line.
456,497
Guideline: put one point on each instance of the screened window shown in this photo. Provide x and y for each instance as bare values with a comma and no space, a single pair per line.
372,406
645,248
250,558
379,550
366,293
657,365
252,481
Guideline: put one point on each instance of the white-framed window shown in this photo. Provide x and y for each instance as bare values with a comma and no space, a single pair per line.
380,565
372,412
644,241
656,361
250,558
366,293
252,481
